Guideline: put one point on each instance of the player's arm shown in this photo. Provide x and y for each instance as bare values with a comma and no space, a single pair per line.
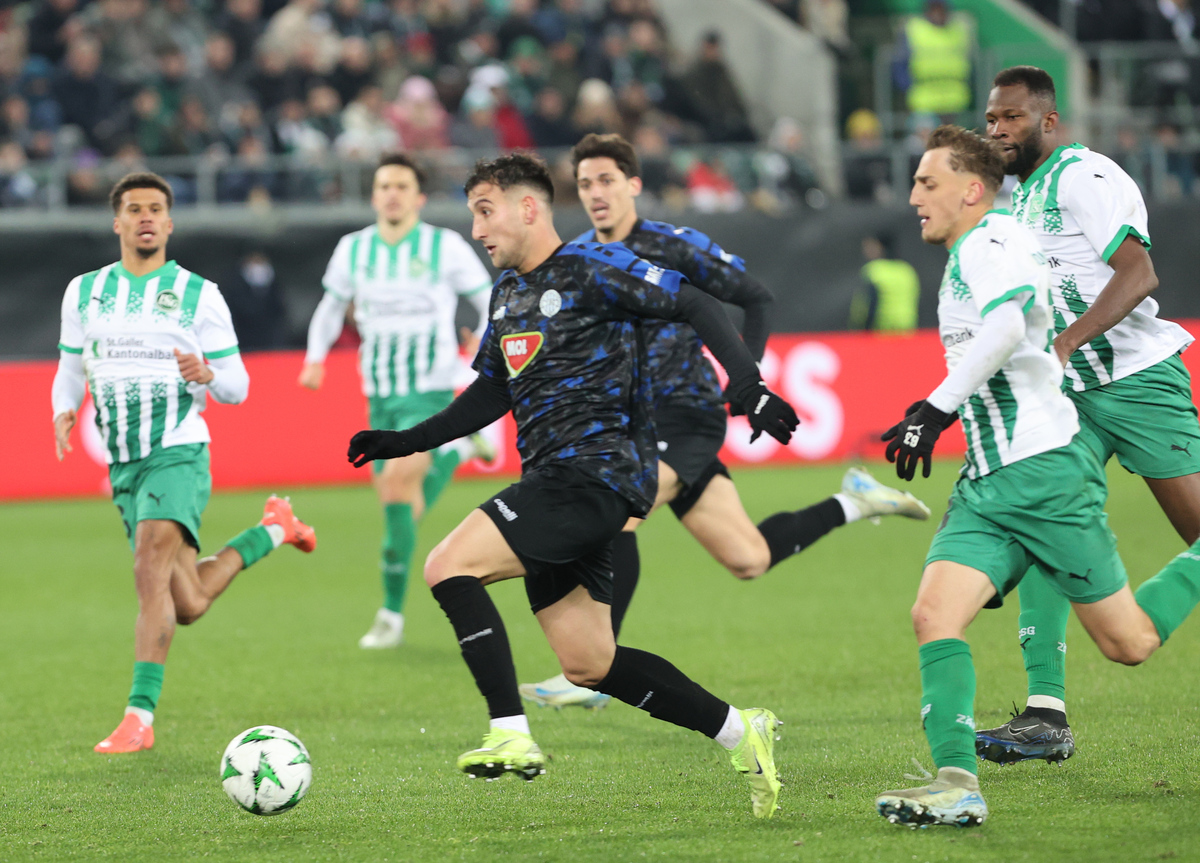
70,381
1133,280
330,315
478,406
1109,209
220,368
724,276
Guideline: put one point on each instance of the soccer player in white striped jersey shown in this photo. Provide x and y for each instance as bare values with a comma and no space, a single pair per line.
1123,369
404,278
152,341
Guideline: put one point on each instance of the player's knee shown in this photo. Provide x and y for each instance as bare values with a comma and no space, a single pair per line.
439,565
586,672
927,624
1129,651
748,561
186,614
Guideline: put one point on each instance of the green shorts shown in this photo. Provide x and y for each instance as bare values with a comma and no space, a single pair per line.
172,483
1045,511
402,412
1147,420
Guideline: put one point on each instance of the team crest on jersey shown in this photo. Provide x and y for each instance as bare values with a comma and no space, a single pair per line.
1034,208
550,303
166,301
519,349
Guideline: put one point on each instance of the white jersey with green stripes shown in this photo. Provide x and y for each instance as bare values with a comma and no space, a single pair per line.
405,297
1021,411
127,329
1081,206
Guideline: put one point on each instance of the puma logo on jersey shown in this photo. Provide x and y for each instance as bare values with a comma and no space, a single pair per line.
519,349
999,243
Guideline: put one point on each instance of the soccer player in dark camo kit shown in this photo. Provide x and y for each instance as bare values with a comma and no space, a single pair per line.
689,410
562,351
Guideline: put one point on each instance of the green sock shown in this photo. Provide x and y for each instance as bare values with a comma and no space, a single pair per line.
147,685
1043,634
399,540
948,702
253,545
441,471
1169,597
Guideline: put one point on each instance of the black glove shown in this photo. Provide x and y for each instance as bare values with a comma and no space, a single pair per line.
913,439
767,412
916,406
367,446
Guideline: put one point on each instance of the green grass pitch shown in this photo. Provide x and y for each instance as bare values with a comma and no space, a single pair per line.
824,640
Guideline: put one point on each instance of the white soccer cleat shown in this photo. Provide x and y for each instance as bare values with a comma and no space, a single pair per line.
558,692
874,499
952,798
386,631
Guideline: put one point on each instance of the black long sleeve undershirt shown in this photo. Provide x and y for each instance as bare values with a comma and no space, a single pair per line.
755,328
476,407
708,318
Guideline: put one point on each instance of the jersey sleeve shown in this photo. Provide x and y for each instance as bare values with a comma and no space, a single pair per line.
1108,206
214,325
339,276
630,286
462,267
70,334
998,268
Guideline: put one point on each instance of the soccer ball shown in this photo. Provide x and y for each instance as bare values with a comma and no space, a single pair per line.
266,770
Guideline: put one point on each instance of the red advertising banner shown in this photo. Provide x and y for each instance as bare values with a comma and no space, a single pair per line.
846,387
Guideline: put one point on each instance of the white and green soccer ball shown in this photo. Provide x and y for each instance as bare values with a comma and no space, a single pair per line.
266,770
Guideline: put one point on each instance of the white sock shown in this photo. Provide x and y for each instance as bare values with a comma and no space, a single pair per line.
275,531
1047,701
959,777
512,723
733,730
146,716
394,618
849,507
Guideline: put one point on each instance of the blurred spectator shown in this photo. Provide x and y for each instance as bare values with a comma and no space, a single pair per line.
659,177
256,304
274,80
248,178
563,20
596,109
1178,164
783,171
518,24
887,298
715,97
790,8
220,84
549,124
647,59
151,126
419,55
353,71
367,134
18,188
248,123
85,184
196,133
37,86
511,131
829,21
87,96
526,72
242,21
562,70
173,78
476,125
129,43
295,135
389,69
418,117
711,188
867,165
932,65
302,26
350,20
325,114
47,31
182,27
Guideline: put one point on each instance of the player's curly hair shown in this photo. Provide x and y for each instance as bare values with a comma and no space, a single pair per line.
972,153
140,180
513,169
1036,81
612,146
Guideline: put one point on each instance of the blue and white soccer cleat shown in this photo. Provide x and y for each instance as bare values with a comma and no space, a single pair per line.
952,798
875,499
558,692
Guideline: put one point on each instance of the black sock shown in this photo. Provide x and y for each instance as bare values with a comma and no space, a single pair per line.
652,684
626,567
483,640
789,533
1046,713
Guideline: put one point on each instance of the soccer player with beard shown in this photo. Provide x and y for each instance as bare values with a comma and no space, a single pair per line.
152,341
689,411
405,278
563,352
1031,493
1123,369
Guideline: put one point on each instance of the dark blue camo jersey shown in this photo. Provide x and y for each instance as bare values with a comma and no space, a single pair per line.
681,375
566,338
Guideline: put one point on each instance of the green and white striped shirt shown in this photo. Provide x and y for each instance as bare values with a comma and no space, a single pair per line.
405,297
126,328
1021,411
1081,206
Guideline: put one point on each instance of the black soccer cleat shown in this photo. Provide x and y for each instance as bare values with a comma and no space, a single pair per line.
1026,737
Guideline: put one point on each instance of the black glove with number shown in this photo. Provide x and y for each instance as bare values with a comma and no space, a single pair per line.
367,446
913,439
767,412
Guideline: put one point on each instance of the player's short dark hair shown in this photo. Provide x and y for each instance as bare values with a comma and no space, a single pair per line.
971,153
140,180
404,161
512,169
1037,81
612,146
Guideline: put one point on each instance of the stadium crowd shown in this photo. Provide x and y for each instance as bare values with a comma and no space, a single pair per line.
106,84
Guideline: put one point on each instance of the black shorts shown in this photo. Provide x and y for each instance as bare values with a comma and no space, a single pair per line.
689,440
560,523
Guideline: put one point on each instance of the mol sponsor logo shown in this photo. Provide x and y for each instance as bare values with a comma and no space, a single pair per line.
519,349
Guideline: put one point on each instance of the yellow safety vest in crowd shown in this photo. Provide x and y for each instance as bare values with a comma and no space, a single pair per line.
898,290
940,66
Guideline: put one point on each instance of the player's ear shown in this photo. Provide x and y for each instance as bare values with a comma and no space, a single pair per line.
975,192
529,209
1050,121
635,186
116,224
